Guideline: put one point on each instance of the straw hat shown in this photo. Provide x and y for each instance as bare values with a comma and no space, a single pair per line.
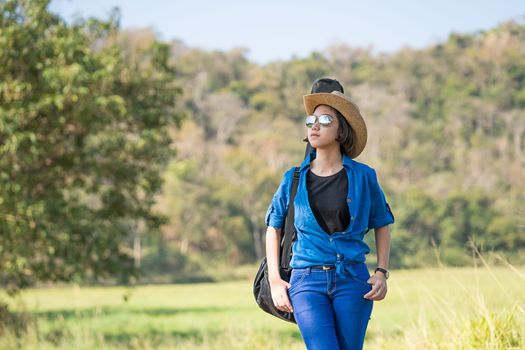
347,108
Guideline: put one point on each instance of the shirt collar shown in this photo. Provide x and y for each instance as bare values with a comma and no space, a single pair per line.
347,161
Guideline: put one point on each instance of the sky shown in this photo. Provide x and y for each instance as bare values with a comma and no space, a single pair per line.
273,30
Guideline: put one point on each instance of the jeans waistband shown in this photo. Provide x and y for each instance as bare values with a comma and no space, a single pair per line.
324,267
342,267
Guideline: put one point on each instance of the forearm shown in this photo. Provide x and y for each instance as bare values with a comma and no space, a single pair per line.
382,235
273,241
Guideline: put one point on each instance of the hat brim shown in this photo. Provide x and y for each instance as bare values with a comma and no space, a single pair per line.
347,108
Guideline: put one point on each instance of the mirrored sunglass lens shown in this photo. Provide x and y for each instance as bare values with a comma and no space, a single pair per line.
310,120
325,119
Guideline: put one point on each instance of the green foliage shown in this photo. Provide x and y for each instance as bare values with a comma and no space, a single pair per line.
446,133
83,138
87,114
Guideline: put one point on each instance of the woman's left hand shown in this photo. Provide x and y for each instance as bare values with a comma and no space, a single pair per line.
378,292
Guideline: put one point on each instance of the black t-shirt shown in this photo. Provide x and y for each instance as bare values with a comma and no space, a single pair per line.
327,197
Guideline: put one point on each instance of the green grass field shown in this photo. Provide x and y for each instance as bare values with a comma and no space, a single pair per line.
441,308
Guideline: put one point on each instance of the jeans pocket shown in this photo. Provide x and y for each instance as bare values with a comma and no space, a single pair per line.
297,278
358,279
362,277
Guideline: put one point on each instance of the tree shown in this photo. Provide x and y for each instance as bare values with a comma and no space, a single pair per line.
84,119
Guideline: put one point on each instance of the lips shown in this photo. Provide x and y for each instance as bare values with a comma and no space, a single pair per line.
314,135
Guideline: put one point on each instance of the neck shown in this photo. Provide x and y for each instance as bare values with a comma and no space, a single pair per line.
327,161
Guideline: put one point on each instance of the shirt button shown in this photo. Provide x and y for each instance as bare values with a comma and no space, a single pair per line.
338,255
331,239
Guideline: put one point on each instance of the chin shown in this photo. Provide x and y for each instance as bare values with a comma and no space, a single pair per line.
316,142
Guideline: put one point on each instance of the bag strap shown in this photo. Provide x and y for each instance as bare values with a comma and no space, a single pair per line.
289,226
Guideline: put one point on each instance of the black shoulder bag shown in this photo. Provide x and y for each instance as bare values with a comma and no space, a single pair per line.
261,285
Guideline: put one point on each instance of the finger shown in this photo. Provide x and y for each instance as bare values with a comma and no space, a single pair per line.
288,305
380,294
369,294
378,297
284,303
283,308
279,302
372,291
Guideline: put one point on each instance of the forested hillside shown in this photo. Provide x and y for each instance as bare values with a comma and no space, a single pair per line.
122,152
446,136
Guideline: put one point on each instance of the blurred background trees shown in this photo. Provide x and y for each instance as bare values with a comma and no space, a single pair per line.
446,129
84,117
91,114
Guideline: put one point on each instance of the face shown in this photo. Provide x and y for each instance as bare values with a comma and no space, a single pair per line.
323,136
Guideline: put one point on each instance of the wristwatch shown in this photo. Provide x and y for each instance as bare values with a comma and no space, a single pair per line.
383,271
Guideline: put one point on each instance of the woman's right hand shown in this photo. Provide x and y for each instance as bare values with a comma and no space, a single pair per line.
279,289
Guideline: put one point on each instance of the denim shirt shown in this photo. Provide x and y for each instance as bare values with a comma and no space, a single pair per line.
313,246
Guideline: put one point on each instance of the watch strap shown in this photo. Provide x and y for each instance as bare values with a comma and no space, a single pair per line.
382,270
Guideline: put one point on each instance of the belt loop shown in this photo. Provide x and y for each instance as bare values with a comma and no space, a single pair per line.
308,270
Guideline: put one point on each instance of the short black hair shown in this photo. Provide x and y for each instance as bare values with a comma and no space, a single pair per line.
326,85
345,134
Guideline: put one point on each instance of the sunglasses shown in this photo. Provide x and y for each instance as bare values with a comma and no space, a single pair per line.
324,120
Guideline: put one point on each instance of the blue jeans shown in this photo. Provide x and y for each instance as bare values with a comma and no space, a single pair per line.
330,311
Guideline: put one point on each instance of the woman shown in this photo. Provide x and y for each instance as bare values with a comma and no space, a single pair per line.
338,201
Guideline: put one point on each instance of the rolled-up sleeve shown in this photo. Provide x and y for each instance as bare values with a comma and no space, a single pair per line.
278,208
380,212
